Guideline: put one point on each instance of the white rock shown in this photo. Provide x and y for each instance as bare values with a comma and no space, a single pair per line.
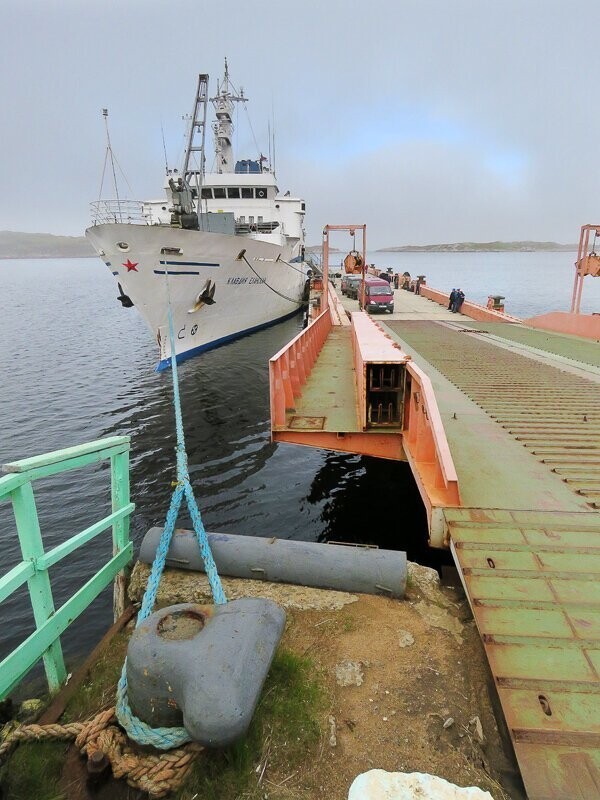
349,673
332,731
476,723
380,785
405,638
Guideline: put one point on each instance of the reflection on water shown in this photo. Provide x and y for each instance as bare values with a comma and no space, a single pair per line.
371,501
76,366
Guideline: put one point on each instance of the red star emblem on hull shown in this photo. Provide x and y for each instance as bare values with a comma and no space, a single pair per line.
131,265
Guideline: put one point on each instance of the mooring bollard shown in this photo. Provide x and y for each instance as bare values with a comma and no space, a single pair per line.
203,666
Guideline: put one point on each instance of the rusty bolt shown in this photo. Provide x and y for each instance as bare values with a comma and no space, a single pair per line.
98,767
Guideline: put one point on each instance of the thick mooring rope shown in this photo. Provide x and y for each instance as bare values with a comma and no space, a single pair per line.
139,731
156,774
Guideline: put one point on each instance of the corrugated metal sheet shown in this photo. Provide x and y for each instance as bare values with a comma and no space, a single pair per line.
553,413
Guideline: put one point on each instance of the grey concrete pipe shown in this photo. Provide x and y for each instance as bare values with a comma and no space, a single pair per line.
324,566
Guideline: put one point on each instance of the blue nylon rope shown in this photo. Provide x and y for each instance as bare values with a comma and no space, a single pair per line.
139,731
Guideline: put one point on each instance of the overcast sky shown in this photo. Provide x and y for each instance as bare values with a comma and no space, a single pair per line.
430,120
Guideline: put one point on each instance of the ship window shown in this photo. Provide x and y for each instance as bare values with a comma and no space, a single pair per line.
303,206
242,219
219,193
250,220
206,193
260,219
233,194
247,194
261,193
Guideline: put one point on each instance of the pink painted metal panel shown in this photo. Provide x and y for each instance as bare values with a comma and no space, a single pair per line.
425,442
468,308
585,325
291,366
436,425
370,346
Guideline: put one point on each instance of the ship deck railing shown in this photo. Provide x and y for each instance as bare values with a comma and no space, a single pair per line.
131,212
50,623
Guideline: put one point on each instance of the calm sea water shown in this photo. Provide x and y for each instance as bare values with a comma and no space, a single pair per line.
76,366
532,283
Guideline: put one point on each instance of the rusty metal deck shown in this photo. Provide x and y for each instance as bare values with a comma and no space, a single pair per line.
560,344
532,581
328,400
521,415
553,413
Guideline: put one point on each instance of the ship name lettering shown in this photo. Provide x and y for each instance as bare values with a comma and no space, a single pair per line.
238,279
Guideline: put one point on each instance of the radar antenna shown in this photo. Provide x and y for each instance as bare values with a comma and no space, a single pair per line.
223,125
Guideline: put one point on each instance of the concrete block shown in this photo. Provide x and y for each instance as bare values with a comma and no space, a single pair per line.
203,667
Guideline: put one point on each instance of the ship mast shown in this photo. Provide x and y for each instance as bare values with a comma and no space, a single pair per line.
223,125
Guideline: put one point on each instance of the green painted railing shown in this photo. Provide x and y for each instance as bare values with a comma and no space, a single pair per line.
50,623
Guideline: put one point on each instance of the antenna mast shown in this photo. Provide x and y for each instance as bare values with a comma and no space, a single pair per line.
223,125
109,154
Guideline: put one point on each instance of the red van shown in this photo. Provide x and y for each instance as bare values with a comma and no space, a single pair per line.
377,295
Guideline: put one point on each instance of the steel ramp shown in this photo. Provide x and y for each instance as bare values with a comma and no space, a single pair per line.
532,579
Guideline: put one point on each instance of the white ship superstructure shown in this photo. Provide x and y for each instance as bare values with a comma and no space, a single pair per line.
225,249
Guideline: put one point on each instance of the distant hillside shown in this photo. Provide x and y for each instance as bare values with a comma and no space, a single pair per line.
316,248
43,245
481,247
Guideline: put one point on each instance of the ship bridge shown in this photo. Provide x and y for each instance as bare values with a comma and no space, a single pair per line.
500,424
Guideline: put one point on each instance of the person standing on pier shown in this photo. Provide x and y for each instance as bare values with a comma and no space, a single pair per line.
451,300
458,301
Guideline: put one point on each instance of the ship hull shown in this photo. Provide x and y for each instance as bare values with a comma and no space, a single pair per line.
158,267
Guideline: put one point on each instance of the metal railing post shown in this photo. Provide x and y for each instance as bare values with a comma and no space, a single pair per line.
40,592
119,472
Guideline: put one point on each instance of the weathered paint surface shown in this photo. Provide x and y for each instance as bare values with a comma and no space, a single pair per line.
16,486
552,413
550,341
532,581
519,411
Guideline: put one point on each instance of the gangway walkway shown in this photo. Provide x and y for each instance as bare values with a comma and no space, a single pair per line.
501,426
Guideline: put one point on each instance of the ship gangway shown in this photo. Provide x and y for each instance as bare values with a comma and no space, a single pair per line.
500,424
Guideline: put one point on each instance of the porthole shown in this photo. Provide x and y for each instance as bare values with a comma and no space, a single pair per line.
123,246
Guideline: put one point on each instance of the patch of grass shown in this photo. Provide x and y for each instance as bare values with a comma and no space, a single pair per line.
349,624
34,771
99,688
284,731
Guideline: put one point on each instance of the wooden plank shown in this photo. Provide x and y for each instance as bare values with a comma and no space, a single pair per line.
55,710
66,454
28,653
40,591
14,578
60,551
